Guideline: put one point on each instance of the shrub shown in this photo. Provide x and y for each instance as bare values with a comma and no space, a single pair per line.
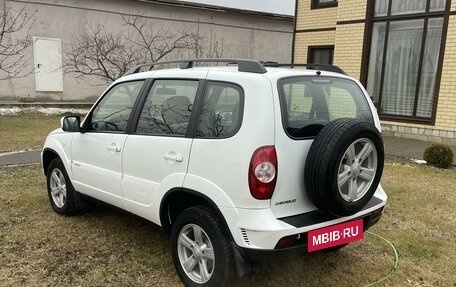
439,155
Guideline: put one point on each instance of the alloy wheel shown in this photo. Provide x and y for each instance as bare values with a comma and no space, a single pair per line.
196,253
357,170
58,187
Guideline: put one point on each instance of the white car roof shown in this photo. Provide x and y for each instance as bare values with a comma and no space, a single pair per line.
202,71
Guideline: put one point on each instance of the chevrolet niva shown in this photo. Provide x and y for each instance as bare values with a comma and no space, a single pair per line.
230,160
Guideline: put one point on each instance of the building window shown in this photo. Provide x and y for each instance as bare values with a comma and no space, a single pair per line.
320,55
316,4
404,57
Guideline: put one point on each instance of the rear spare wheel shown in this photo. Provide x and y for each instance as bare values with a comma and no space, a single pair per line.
344,166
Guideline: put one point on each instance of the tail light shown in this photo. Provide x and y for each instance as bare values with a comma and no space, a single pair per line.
378,211
263,172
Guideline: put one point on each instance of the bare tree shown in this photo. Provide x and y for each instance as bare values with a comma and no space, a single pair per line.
209,47
204,46
13,61
108,54
97,52
160,42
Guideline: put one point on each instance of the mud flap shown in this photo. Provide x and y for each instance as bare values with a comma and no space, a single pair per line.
244,265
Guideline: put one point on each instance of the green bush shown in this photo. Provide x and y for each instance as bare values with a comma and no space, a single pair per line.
439,155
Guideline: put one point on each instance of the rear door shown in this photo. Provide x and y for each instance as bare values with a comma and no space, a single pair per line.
235,119
156,155
307,104
97,153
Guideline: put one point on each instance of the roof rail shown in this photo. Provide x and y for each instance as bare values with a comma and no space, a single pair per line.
249,66
322,67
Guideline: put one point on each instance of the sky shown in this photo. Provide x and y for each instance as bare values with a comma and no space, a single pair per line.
283,7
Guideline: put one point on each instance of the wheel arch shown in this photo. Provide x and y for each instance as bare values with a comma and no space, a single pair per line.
178,199
47,157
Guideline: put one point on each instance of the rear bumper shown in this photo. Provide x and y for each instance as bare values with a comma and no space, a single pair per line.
299,246
260,230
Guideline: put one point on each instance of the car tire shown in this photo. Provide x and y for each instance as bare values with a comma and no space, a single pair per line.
199,242
64,199
344,166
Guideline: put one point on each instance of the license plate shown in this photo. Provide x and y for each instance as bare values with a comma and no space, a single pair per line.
335,235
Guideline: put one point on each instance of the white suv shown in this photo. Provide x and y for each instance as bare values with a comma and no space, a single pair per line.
230,160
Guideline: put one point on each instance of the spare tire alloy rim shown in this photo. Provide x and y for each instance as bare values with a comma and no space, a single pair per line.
357,170
58,187
196,254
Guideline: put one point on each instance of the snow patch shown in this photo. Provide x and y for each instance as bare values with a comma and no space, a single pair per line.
419,161
45,111
59,111
9,111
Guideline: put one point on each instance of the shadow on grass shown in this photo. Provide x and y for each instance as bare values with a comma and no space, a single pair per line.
108,247
355,265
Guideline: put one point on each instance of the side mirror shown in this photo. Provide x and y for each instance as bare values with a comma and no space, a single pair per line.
71,124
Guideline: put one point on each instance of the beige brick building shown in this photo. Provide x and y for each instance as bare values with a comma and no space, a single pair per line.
403,51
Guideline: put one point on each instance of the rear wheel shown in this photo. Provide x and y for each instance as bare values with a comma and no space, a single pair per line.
201,249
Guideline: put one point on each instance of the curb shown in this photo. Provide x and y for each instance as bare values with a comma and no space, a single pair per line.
404,158
413,160
15,152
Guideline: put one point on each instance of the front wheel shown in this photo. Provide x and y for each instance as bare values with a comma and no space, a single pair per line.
201,250
61,193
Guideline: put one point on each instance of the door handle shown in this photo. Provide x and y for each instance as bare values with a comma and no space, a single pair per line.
174,157
114,148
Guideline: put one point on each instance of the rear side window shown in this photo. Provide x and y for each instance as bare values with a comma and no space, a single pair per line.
168,107
220,114
310,103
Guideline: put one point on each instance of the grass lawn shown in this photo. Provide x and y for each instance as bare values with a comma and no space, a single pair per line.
106,247
26,131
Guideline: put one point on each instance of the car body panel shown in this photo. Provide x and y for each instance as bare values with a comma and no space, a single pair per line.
261,228
222,161
97,165
146,169
59,142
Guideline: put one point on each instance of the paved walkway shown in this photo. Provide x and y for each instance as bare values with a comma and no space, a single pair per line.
407,148
396,147
20,158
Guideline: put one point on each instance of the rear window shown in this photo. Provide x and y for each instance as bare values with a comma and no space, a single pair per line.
310,103
221,111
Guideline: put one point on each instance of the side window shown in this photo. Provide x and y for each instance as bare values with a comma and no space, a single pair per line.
221,110
113,111
168,107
